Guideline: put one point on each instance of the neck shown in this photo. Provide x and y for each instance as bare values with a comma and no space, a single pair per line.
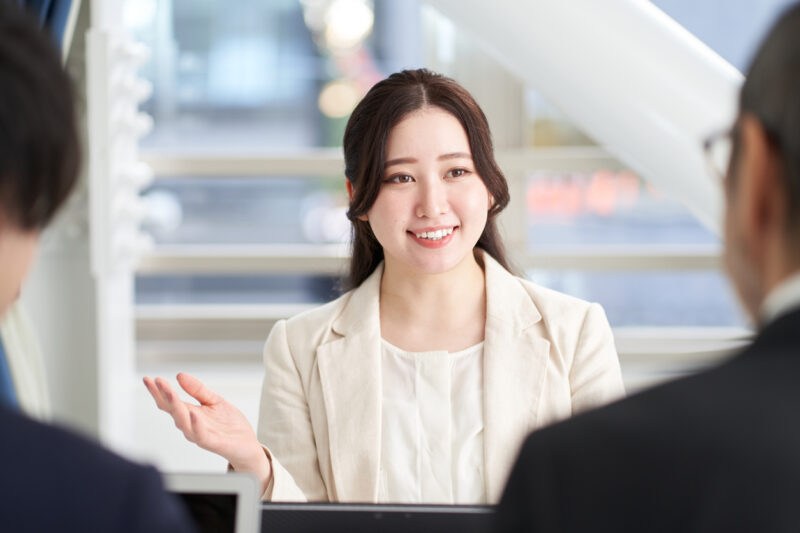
778,278
422,312
781,263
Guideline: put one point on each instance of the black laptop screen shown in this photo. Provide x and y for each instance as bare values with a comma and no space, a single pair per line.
212,513
372,518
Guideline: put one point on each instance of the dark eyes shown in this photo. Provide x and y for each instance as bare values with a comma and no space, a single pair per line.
399,178
405,178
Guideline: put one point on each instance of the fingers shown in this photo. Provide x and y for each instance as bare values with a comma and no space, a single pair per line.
155,393
167,400
197,390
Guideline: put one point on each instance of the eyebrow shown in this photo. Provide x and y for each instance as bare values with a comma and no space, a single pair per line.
443,157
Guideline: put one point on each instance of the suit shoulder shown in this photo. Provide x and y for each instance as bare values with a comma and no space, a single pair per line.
88,487
28,437
667,409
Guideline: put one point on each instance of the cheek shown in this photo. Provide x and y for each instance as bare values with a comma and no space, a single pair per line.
730,238
733,222
475,202
22,263
385,212
17,259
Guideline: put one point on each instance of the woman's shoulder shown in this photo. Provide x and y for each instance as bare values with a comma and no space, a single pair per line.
565,316
301,334
550,302
512,294
320,317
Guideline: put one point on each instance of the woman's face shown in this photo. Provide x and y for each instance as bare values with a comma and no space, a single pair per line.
432,205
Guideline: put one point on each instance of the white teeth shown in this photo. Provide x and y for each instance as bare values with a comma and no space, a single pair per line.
435,235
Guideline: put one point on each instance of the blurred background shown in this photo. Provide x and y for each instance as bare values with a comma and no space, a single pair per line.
279,78
246,208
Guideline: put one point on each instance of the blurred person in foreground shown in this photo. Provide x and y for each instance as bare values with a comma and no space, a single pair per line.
52,480
720,450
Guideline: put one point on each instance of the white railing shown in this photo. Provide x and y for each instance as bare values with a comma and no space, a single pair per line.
236,332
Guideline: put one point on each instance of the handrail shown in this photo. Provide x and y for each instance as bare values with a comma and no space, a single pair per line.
626,74
332,259
329,162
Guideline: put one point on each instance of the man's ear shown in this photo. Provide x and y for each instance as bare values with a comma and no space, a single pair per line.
760,190
349,186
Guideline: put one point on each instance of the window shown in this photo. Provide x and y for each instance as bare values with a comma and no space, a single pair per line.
247,209
248,204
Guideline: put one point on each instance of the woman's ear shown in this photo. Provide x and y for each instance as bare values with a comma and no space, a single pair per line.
349,186
491,202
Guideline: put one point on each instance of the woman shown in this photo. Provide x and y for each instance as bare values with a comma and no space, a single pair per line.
419,384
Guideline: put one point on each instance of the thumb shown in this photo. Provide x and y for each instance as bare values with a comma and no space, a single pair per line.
197,390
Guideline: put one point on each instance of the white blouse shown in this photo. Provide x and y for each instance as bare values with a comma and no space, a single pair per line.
432,426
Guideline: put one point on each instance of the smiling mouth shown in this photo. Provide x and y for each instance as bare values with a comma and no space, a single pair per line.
436,235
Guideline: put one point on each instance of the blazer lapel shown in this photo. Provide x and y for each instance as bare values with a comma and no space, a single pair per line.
350,374
515,360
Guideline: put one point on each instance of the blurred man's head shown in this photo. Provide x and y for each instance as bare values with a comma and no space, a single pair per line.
762,221
39,151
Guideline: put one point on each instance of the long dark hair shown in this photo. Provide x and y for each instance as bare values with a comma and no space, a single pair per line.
386,104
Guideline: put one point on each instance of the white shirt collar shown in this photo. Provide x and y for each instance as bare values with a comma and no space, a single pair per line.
783,298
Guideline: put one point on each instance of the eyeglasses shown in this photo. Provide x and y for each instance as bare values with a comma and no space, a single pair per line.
718,148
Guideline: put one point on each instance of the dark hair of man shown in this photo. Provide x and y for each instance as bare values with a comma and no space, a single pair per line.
771,92
39,150
365,137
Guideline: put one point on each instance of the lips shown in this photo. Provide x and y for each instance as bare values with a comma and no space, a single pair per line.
433,237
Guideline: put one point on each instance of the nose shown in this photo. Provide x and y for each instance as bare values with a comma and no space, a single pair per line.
432,200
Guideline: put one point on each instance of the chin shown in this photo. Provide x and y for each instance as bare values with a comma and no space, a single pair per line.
436,265
433,269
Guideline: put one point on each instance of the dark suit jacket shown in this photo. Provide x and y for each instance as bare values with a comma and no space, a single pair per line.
52,480
717,451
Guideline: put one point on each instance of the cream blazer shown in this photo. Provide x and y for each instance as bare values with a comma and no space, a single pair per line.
546,357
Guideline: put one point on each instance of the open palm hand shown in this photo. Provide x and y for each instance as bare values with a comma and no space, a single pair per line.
215,424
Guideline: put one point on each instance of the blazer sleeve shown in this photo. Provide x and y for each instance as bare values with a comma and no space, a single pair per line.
284,426
595,375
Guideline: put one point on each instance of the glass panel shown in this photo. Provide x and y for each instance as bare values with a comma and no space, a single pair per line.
247,211
221,289
265,74
563,209
651,298
733,29
605,208
630,298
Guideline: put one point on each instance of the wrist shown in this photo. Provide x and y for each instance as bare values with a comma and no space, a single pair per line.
257,462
